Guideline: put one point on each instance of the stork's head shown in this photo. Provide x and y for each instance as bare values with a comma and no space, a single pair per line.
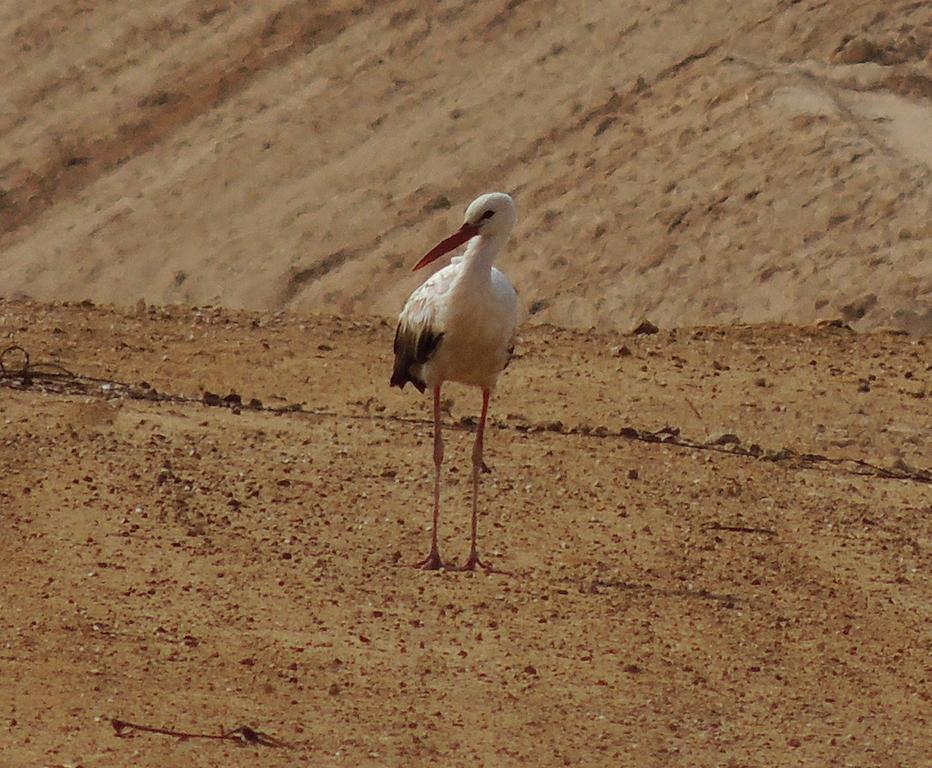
491,215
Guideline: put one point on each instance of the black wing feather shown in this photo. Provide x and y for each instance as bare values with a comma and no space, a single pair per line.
412,349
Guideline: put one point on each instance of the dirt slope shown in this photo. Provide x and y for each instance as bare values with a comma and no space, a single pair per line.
718,543
698,162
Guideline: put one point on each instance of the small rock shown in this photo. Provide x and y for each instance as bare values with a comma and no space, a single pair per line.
537,306
858,51
856,309
632,474
645,328
441,202
724,438
834,322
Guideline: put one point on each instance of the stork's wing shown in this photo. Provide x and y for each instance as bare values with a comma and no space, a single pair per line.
418,334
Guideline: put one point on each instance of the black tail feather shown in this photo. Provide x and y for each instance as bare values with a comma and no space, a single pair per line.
400,379
412,351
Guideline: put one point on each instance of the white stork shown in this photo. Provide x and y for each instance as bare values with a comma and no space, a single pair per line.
459,326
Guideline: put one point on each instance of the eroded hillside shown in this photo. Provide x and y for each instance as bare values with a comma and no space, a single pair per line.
698,162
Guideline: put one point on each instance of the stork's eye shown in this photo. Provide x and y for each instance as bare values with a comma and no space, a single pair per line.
487,215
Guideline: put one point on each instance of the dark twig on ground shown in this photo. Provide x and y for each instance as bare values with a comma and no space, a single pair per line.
242,735
55,378
27,370
740,529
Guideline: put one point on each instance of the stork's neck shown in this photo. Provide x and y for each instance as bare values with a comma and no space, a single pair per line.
481,253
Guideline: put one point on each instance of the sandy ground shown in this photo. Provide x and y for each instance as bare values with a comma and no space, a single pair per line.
696,162
717,538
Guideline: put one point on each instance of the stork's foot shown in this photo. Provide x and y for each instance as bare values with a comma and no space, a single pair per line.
473,563
430,563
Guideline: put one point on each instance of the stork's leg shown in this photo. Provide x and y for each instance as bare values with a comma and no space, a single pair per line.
433,562
473,562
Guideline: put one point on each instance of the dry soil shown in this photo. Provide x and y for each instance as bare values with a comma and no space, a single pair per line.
717,545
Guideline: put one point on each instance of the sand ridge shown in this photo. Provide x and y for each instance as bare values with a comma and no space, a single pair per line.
749,163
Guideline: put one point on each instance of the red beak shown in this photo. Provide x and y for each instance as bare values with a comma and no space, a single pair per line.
464,233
